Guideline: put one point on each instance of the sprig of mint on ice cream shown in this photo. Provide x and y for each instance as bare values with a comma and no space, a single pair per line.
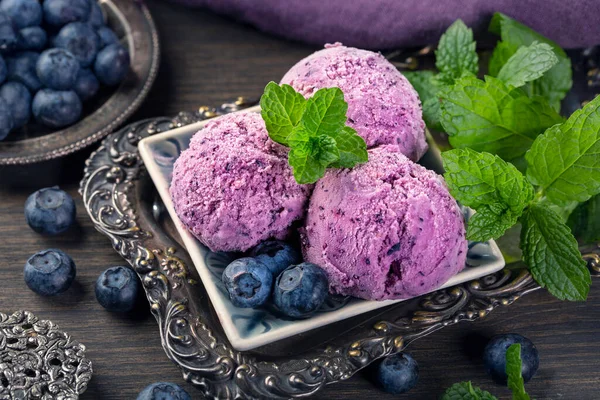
314,129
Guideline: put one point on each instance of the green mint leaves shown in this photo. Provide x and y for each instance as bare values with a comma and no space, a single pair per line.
466,391
513,370
315,130
456,55
527,64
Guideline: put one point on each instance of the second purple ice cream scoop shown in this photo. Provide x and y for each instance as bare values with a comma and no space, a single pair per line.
387,229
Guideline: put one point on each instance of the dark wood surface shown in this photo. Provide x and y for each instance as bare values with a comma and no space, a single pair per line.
208,59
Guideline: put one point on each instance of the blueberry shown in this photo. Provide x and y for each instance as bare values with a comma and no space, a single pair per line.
8,34
112,64
23,13
300,290
56,109
163,391
494,357
3,70
6,120
276,255
61,12
117,289
21,68
249,282
49,272
107,36
87,84
79,39
32,38
397,373
58,69
18,99
96,18
50,211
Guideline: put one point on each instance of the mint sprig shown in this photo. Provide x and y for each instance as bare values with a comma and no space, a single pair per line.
315,130
456,55
513,370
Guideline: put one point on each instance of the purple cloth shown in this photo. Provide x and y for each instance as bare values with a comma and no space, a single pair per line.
384,24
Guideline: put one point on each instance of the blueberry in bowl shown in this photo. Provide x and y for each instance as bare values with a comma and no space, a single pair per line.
300,290
277,255
56,108
49,272
117,289
50,211
249,282
81,40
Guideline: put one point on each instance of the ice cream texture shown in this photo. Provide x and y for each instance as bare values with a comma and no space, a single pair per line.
233,187
383,107
387,229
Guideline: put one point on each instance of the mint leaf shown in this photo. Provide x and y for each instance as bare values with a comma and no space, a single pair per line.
309,159
584,221
489,116
565,161
551,252
427,85
352,149
557,81
527,64
281,109
456,53
466,391
325,112
513,370
491,186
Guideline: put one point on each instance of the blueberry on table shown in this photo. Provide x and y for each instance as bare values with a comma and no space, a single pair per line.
117,289
6,120
24,13
79,39
112,64
107,36
249,282
397,373
494,357
300,290
50,211
96,18
58,69
60,12
276,255
17,97
56,109
87,84
21,68
32,38
8,34
163,391
49,272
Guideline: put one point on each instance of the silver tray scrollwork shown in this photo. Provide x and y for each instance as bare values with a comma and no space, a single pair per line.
124,206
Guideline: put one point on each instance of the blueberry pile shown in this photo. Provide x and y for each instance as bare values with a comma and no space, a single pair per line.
54,55
275,271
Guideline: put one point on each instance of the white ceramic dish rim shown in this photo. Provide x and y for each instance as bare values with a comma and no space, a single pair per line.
300,326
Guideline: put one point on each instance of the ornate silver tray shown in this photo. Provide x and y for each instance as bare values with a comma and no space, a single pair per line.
124,206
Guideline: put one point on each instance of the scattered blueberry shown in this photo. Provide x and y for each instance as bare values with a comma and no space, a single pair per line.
397,373
21,68
79,39
163,391
494,357
24,13
32,38
18,99
6,121
300,290
61,12
58,69
3,70
50,211
117,289
276,255
112,64
49,272
107,36
87,84
56,109
249,282
96,18
8,35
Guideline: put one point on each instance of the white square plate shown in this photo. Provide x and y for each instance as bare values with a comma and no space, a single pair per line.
248,328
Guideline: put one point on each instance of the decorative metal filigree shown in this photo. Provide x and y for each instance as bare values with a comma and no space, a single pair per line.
37,361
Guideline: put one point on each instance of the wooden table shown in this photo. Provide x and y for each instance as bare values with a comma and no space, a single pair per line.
208,59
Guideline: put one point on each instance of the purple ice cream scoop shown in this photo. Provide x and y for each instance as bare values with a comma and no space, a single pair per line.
387,229
383,107
233,187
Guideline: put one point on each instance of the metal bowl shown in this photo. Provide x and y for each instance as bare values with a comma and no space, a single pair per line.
133,23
